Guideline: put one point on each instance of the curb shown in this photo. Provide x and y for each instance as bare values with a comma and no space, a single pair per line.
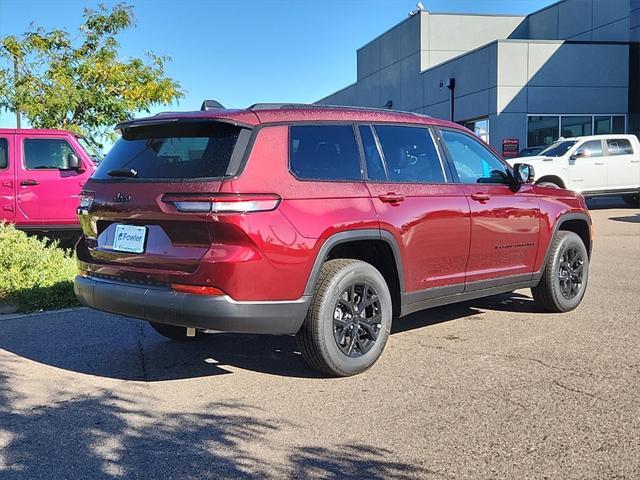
13,316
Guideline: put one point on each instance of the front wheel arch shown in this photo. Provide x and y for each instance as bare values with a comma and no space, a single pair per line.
554,179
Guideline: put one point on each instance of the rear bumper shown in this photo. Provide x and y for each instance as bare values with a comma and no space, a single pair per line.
162,305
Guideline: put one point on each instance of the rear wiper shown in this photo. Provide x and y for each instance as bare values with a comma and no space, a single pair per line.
123,172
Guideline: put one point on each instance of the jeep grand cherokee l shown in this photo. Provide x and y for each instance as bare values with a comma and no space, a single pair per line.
323,222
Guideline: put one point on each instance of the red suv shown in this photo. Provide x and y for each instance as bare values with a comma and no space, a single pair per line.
323,222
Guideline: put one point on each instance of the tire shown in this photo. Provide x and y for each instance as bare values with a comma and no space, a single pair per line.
632,200
174,332
326,338
548,185
563,282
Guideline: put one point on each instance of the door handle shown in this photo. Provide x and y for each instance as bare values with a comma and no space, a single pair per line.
29,183
480,197
598,163
8,208
8,184
392,198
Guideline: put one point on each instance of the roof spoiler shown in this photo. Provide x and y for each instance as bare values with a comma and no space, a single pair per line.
210,105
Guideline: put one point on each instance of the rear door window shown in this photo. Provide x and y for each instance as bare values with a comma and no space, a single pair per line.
4,154
619,146
180,150
46,153
409,154
324,152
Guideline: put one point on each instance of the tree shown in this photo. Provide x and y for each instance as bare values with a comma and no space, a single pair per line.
79,83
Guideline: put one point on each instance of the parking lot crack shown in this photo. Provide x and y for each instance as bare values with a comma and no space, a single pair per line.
515,357
143,364
576,390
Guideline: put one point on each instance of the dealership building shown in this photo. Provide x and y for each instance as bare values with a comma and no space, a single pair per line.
572,68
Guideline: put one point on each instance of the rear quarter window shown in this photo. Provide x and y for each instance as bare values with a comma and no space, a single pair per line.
179,151
324,152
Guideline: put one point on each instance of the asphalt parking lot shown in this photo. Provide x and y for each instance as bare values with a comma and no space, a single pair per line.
486,389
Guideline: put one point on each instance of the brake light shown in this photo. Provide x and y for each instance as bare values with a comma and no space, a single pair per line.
196,289
223,203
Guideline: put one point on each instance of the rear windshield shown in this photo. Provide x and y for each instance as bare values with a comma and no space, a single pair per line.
180,150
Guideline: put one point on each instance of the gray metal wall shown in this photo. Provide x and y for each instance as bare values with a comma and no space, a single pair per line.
445,36
634,20
547,77
598,20
509,79
504,79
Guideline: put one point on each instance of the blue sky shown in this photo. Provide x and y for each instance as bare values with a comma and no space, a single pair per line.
243,52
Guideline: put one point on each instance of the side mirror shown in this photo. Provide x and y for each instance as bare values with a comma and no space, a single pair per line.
579,153
73,162
524,173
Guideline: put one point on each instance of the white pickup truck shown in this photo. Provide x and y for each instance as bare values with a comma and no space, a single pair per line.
594,165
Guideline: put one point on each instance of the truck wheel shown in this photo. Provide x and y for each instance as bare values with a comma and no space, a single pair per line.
632,200
349,319
565,275
548,185
174,332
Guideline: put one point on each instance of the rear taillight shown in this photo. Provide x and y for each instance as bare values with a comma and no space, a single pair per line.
223,203
86,201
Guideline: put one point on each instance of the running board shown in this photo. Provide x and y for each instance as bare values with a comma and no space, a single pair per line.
465,296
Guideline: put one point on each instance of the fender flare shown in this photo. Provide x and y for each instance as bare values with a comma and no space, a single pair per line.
563,218
350,236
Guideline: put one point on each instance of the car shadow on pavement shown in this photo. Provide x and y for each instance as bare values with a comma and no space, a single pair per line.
509,302
628,219
111,346
604,203
104,434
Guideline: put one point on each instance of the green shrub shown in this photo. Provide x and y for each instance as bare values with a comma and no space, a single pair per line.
35,274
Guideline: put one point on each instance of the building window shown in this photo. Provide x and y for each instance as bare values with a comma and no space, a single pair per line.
576,126
546,129
602,125
617,125
543,130
605,124
480,127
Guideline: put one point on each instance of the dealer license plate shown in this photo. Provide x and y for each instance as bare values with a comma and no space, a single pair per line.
129,238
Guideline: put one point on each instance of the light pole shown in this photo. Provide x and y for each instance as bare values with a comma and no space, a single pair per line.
15,82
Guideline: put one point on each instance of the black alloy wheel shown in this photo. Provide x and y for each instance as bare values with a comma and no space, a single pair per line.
570,272
357,319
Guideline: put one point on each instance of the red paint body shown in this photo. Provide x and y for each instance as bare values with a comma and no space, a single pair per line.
444,234
41,199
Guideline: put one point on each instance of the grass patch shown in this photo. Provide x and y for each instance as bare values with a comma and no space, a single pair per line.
35,274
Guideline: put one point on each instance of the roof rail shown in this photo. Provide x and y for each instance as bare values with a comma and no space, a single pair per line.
370,109
280,106
277,106
210,105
